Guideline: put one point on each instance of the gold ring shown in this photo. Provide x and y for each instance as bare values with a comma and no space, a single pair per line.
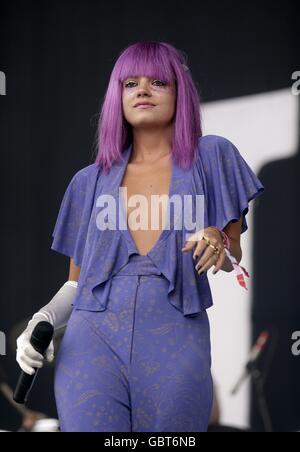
206,239
216,250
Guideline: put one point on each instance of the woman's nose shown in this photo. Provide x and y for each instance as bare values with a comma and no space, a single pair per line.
144,87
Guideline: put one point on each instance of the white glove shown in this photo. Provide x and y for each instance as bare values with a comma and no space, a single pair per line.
57,312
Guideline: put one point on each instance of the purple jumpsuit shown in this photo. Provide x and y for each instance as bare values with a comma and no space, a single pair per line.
136,352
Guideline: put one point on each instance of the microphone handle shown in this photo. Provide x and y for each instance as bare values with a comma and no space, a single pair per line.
24,386
40,340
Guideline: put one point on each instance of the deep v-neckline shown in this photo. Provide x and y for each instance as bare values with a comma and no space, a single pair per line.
121,206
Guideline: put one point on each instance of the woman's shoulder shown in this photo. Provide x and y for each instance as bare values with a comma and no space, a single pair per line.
214,142
212,148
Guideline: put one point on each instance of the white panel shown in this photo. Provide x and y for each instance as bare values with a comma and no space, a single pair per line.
264,128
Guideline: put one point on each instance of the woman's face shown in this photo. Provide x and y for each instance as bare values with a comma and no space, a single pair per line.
157,92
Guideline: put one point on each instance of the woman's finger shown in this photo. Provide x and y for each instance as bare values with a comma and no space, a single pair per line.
220,262
50,352
32,353
200,248
27,369
211,261
31,362
189,245
206,261
208,253
192,240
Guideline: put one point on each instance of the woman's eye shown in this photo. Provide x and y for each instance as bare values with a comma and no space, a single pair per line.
128,83
155,81
159,81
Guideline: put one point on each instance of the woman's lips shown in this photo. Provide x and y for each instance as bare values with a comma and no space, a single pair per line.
145,106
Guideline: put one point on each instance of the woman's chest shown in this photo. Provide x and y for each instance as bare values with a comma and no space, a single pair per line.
142,187
145,191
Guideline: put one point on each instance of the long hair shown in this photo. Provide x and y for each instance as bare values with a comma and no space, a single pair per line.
154,60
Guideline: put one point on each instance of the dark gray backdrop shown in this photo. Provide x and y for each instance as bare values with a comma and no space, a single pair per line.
57,57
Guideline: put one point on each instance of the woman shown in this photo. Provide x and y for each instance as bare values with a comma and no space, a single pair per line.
136,352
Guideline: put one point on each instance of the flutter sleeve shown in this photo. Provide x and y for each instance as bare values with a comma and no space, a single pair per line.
70,231
230,183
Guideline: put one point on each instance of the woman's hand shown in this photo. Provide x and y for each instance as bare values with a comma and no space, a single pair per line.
27,357
209,256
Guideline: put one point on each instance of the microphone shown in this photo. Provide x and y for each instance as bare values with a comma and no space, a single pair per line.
40,340
253,357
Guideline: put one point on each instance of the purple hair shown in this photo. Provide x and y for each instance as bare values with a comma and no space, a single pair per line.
154,60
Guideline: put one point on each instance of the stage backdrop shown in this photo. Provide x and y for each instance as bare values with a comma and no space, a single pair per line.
57,57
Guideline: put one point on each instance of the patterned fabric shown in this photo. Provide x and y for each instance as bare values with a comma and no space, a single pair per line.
138,366
219,173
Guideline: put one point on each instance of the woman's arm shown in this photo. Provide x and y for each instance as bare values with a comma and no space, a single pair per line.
57,312
74,271
233,230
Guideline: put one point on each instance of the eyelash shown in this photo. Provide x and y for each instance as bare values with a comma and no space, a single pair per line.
163,83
